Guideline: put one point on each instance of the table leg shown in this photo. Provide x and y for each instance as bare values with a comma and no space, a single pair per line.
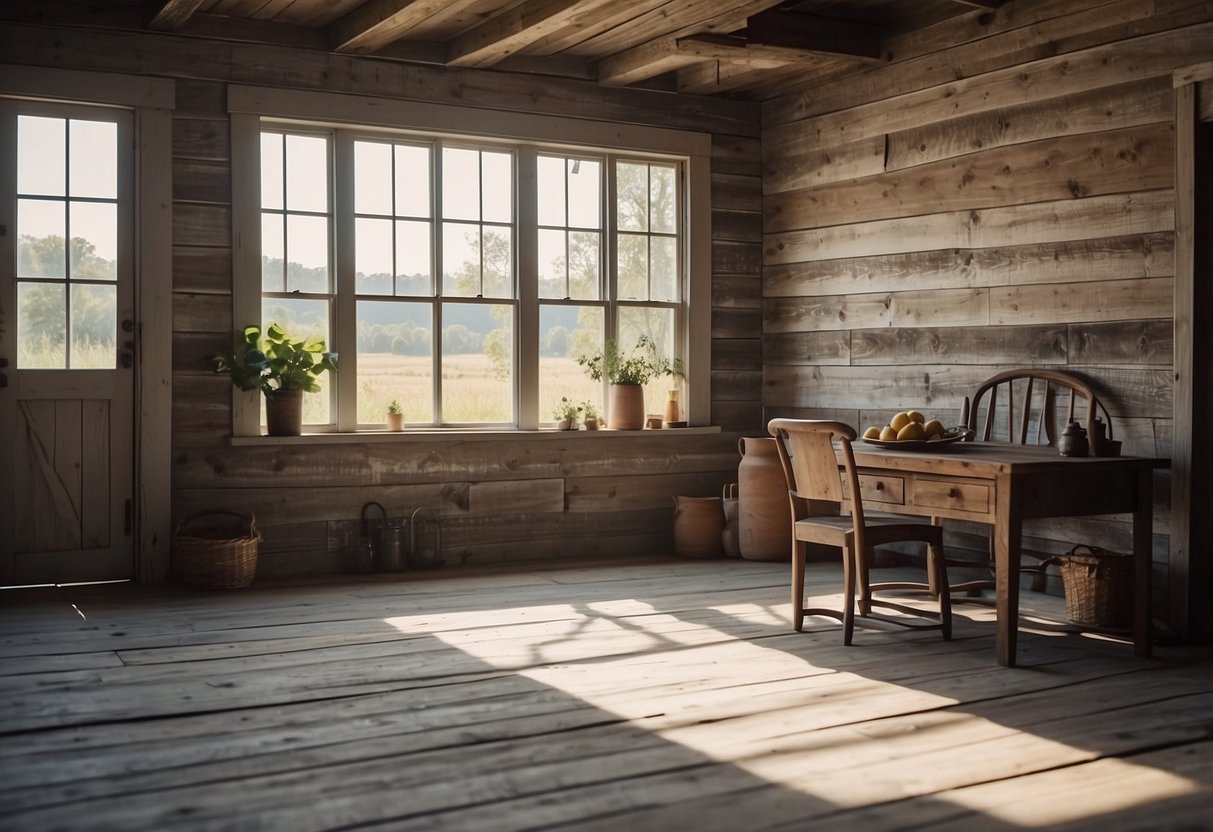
1143,534
1008,532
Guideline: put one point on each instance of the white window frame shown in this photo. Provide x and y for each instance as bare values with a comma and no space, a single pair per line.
251,107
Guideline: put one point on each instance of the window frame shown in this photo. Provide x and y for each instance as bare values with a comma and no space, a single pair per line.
352,116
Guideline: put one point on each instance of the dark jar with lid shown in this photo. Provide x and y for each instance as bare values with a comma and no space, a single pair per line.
1073,440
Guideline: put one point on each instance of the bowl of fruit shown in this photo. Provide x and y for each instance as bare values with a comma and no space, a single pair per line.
910,429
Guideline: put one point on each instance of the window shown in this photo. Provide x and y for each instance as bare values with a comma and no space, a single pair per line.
461,275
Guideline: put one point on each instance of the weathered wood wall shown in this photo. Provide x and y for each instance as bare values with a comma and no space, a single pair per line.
999,194
500,498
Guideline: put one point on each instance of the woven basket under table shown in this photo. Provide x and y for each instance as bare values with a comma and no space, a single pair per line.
1098,585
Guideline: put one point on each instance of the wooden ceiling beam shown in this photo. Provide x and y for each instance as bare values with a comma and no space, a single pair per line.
645,61
375,24
506,34
824,35
739,50
171,15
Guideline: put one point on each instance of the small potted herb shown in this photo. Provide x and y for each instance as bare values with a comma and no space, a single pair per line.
395,415
567,414
589,415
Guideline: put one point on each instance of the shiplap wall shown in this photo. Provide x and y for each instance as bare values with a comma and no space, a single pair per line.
999,194
500,499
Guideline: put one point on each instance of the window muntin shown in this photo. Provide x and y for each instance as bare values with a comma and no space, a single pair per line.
67,243
433,233
297,288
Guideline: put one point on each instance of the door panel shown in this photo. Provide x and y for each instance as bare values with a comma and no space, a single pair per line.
66,399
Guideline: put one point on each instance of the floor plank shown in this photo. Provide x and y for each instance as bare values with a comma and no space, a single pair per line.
652,694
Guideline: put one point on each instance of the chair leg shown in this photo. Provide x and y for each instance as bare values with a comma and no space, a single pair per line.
863,576
938,571
799,552
848,591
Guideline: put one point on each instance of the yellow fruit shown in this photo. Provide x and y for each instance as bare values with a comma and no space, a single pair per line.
872,433
915,416
933,428
912,430
900,421
888,434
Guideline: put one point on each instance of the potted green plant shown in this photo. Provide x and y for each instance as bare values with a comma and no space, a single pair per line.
627,375
395,415
567,414
282,368
589,415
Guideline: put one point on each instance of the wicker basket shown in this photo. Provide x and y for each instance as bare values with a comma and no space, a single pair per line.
1098,585
210,557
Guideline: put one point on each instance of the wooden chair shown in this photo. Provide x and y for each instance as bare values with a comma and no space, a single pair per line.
817,491
1029,398
1036,403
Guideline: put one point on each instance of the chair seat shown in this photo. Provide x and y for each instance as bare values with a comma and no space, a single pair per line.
837,530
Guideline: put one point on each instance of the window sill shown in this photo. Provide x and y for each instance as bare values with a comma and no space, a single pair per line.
464,435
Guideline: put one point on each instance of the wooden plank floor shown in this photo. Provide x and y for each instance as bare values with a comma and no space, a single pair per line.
633,694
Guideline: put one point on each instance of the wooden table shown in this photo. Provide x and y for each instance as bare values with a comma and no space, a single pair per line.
1003,485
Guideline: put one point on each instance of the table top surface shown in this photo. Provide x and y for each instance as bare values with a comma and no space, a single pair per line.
977,458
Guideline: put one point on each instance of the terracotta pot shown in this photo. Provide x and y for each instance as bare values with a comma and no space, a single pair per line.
764,515
627,407
591,424
284,413
395,421
698,522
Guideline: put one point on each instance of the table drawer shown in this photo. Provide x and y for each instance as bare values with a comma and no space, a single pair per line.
955,496
882,489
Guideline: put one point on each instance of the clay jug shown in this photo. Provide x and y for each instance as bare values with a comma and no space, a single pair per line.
764,513
698,522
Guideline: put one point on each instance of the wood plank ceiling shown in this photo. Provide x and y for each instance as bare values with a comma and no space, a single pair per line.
739,47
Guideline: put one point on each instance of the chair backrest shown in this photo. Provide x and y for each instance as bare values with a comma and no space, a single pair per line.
810,464
1034,402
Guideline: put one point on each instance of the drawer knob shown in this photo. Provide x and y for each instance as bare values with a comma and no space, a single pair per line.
953,492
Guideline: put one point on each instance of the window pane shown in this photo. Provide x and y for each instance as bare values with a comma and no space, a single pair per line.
41,326
94,158
302,318
94,240
460,259
94,327
585,193
41,155
664,198
552,264
663,265
395,360
372,178
498,262
460,184
307,173
307,254
372,256
271,170
273,253
658,326
414,268
632,196
584,265
551,190
633,267
565,333
498,175
41,238
412,181
477,363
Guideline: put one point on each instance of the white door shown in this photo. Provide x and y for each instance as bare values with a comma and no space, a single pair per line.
66,343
